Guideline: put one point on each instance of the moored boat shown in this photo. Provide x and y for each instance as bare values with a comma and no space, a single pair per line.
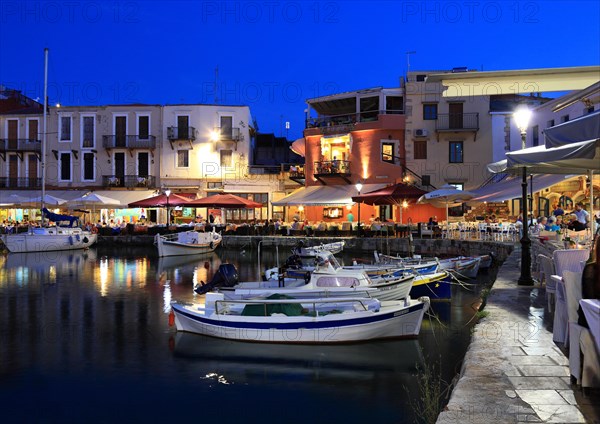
187,243
288,320
46,239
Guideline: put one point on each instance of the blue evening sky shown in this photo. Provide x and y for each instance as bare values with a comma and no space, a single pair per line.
272,55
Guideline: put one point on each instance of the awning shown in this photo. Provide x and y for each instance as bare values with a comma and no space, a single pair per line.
581,129
324,195
510,188
299,146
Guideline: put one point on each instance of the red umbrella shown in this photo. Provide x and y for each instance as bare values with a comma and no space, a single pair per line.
160,201
391,195
228,201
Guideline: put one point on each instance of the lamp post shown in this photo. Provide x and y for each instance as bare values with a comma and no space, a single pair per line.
522,116
359,187
168,193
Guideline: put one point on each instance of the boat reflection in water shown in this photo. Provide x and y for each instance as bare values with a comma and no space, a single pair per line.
247,363
47,267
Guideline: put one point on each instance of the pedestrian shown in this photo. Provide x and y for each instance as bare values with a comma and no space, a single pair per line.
350,217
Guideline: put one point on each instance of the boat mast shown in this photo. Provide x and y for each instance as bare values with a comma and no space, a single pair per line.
43,158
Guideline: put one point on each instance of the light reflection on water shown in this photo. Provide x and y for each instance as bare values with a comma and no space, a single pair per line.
90,329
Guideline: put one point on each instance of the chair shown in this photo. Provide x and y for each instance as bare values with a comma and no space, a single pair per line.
586,371
564,260
547,270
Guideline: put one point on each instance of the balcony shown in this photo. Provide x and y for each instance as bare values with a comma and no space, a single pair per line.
24,183
19,146
339,124
228,134
129,142
332,169
457,122
181,133
129,181
297,174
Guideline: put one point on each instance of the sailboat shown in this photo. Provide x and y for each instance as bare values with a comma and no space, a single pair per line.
49,238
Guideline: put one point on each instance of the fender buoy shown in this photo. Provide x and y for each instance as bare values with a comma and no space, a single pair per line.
211,245
85,240
171,318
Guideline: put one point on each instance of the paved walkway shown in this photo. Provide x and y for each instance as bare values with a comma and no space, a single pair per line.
513,372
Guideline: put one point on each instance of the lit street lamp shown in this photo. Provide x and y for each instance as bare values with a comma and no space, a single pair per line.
168,193
522,116
359,187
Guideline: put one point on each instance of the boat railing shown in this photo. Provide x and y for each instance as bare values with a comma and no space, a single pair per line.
222,306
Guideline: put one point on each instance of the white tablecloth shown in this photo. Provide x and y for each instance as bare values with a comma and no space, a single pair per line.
591,310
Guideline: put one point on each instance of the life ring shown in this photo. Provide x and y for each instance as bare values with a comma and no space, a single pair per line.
94,229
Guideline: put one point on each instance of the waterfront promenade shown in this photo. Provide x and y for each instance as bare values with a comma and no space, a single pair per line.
513,372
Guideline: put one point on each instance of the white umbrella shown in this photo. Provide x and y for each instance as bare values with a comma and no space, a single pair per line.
92,200
13,200
446,195
48,200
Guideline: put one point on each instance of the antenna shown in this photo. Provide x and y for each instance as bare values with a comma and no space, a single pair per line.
408,61
216,84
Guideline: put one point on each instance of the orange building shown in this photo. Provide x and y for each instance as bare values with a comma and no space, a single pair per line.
349,138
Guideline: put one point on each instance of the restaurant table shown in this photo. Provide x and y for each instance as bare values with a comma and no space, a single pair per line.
591,310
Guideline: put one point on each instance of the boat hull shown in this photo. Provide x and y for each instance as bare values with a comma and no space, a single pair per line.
201,243
436,287
49,241
393,321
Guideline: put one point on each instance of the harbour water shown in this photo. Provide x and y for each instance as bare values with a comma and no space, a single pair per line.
84,337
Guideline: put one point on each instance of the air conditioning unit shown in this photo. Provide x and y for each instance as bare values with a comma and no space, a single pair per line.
421,133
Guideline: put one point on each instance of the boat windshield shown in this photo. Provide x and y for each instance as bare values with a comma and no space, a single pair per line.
328,258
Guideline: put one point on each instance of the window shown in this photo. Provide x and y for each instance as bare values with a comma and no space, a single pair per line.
387,152
550,123
459,186
144,127
214,184
430,111
226,158
226,127
87,131
65,128
536,135
183,158
421,77
65,166
394,104
420,149
564,118
32,129
88,166
456,152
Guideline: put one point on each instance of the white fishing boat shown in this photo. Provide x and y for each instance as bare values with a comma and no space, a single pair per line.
334,247
187,243
45,239
465,266
327,279
288,320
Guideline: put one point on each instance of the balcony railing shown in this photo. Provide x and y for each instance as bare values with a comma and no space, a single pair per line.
228,134
332,167
20,183
457,121
349,119
129,142
129,181
181,133
20,144
297,171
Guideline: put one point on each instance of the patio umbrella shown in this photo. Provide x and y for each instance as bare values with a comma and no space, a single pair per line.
160,201
13,200
226,201
49,200
92,200
446,195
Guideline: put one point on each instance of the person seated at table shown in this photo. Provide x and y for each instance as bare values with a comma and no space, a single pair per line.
557,210
551,225
322,226
590,280
541,225
574,224
432,222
